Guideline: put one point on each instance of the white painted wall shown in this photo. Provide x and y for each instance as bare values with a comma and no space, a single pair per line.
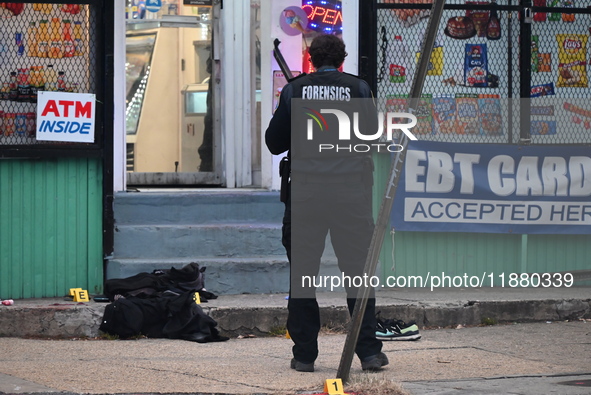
351,35
236,109
291,48
119,154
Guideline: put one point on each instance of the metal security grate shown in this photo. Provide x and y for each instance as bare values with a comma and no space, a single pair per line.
501,71
43,47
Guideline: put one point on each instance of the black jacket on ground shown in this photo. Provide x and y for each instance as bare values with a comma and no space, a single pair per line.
190,277
168,316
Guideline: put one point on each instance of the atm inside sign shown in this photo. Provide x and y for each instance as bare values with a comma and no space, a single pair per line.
66,117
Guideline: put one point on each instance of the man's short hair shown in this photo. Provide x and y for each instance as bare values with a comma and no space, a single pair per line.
327,50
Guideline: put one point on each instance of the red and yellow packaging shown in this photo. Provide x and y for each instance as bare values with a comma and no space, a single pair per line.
572,60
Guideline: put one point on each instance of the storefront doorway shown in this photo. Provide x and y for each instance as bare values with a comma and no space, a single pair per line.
172,132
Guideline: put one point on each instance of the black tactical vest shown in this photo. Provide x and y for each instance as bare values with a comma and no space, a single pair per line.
314,131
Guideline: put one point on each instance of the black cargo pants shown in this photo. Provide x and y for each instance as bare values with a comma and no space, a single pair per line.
316,206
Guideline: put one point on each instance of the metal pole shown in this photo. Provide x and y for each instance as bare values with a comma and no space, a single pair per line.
525,73
386,206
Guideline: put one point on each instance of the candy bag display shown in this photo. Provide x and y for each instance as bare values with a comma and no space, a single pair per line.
542,90
444,114
568,17
572,60
544,63
489,107
539,16
554,16
476,65
435,62
468,115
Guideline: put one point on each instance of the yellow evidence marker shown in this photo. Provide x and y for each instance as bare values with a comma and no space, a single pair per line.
79,294
197,298
334,387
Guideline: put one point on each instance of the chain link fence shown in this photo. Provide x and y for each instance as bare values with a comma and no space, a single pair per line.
43,47
500,72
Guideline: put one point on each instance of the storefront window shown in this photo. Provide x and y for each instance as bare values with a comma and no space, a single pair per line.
255,64
169,115
45,49
137,70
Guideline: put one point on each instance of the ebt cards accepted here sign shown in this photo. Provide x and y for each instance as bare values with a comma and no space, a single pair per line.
66,117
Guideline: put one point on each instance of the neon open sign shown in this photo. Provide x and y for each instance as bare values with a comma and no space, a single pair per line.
324,16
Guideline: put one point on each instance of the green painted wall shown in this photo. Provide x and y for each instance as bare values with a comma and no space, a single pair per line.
476,254
50,227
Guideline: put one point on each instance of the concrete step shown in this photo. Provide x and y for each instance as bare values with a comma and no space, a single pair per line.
215,206
227,276
200,240
236,234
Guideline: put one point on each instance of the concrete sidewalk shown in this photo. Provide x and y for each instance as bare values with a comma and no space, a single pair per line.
541,339
533,358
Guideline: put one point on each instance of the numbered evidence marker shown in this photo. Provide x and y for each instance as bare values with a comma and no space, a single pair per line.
334,387
79,294
197,298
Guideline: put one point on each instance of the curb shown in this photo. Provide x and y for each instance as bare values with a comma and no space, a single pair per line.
69,320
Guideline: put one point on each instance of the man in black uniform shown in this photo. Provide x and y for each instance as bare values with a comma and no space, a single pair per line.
327,193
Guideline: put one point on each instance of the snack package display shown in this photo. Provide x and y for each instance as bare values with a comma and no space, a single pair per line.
435,62
397,61
544,63
476,65
546,111
460,28
542,90
570,107
395,103
572,60
542,128
479,17
554,16
539,16
468,116
444,114
489,107
399,103
424,115
568,17
493,28
535,49
409,17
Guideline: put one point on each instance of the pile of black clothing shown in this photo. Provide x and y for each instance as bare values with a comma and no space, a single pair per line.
190,278
161,304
